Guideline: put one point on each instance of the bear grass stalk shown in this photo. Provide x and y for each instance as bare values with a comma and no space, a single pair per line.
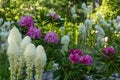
23,45
40,62
12,53
65,42
29,56
14,40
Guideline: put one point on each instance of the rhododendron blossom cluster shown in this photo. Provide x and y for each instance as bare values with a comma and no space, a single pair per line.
51,37
32,31
109,51
26,21
76,56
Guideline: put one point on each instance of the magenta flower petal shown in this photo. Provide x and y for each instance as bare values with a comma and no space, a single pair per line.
78,51
111,50
71,51
74,58
105,50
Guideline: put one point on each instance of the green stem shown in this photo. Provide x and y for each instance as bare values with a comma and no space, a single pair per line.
116,68
67,75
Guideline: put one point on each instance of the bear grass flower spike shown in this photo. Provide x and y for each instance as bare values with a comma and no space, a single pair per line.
40,61
29,56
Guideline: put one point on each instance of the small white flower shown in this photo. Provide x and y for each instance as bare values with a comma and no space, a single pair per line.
106,39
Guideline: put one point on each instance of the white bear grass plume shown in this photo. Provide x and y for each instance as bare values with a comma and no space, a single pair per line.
65,42
14,40
82,32
23,45
29,56
12,53
15,35
23,53
40,62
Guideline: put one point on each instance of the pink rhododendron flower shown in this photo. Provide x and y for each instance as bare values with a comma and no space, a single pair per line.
86,59
108,51
26,21
51,37
76,56
33,32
